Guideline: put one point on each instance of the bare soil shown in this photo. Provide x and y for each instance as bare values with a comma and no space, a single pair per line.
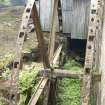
10,20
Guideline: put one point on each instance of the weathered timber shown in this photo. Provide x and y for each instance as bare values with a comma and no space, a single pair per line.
5,85
89,58
18,53
69,74
101,85
40,37
52,92
53,82
38,91
95,89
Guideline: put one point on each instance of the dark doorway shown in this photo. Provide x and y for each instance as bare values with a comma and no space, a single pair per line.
76,47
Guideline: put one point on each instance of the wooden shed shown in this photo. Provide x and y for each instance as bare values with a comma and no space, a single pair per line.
75,15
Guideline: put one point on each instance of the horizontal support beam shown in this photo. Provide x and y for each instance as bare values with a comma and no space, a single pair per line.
69,74
5,85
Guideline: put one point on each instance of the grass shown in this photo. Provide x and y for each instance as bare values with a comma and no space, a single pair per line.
28,80
27,83
69,89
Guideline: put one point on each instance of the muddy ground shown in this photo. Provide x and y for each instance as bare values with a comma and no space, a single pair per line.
10,19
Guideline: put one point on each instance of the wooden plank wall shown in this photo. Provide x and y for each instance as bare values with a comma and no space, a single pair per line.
75,16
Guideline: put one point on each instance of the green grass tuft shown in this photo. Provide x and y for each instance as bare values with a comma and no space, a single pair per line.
69,89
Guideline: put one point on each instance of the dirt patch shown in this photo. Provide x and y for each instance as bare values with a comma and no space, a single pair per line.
10,20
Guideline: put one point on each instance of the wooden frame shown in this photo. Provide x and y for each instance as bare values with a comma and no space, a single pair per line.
49,58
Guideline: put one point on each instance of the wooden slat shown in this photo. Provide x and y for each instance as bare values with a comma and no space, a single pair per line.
38,92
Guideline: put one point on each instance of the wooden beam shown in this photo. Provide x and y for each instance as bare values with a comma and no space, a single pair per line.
18,53
40,37
41,86
51,49
5,85
90,49
101,85
69,74
53,32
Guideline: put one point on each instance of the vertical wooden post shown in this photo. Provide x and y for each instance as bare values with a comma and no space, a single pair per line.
89,58
51,49
102,65
98,42
53,32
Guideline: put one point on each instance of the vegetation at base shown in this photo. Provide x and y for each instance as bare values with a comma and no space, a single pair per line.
73,65
27,83
28,79
69,89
